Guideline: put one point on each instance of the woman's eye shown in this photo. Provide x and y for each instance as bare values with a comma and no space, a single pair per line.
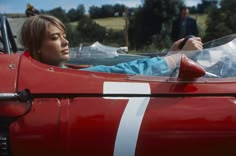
54,37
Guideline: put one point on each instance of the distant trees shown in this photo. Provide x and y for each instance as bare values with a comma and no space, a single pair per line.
205,5
91,30
95,12
229,10
221,21
59,13
119,8
151,25
76,14
70,16
106,11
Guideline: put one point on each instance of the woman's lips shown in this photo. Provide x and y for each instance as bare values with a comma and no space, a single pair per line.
65,51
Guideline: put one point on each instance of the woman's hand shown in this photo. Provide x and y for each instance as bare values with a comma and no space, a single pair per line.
194,43
190,48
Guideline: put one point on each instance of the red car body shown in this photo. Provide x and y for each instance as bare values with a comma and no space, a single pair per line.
47,110
78,112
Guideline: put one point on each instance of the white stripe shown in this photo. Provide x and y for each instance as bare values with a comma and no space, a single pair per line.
128,131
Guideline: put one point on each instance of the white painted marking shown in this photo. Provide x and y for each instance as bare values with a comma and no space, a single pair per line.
129,127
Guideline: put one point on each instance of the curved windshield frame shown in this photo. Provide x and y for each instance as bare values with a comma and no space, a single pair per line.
218,57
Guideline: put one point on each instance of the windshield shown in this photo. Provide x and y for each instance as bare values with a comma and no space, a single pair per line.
218,57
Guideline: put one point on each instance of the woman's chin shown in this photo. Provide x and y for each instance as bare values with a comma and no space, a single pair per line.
66,57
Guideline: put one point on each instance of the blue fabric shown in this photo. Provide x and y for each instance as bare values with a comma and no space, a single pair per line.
149,66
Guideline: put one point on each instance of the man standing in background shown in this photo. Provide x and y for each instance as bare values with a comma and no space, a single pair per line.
184,25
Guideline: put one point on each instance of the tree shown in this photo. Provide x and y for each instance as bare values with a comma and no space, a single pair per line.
80,11
221,21
151,24
107,11
119,8
76,14
72,15
59,13
90,30
228,8
206,5
95,12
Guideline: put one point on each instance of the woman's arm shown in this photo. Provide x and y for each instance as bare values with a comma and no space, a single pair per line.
158,66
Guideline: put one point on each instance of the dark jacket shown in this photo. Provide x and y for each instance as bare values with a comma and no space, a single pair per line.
190,28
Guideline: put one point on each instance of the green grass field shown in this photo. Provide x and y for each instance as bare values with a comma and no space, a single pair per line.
201,22
118,23
115,23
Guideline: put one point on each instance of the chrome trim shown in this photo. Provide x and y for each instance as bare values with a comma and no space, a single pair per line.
8,96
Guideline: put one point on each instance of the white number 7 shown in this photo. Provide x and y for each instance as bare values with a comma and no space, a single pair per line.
130,123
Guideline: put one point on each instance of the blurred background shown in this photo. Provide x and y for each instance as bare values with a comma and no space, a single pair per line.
143,26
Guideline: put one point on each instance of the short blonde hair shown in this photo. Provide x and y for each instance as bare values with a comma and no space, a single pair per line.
35,29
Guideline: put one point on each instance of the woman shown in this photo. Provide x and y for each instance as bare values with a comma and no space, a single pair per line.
44,38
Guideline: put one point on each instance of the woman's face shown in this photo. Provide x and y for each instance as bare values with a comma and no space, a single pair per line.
55,47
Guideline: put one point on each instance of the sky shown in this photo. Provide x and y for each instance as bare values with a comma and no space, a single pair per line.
18,6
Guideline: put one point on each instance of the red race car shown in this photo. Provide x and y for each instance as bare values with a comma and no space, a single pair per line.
46,110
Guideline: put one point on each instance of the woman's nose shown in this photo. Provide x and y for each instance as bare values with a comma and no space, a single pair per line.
65,41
